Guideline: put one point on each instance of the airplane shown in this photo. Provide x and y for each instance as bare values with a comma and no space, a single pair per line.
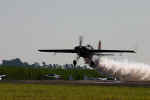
87,52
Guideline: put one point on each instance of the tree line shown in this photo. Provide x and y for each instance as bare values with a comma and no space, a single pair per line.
15,69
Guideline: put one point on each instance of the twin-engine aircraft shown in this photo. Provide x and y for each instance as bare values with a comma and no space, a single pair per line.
87,52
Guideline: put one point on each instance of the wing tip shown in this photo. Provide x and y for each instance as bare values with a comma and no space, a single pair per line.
40,50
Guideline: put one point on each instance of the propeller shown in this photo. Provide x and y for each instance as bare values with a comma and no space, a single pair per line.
80,40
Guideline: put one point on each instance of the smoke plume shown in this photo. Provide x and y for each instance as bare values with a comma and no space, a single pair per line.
124,70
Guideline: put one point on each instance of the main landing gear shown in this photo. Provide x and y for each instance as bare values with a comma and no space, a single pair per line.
92,64
74,62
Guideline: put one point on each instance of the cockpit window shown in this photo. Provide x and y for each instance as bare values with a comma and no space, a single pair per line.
89,46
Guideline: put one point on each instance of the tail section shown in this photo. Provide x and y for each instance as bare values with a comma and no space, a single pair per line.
99,45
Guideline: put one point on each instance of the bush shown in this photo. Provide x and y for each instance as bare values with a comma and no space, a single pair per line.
32,73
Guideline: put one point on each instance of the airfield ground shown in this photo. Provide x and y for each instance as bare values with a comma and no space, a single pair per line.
73,90
82,82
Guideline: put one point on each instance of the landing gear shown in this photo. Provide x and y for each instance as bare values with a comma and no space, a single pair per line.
92,64
74,62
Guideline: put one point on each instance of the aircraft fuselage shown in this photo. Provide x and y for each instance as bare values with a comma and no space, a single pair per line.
83,51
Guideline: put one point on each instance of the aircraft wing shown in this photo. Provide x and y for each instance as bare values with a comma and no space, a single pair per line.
113,51
59,50
105,54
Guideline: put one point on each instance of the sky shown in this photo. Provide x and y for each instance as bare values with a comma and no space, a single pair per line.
29,25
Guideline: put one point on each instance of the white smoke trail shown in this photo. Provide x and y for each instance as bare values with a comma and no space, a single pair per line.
125,70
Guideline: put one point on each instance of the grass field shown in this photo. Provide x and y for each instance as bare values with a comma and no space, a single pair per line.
13,91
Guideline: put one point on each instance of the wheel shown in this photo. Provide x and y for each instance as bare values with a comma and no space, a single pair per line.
74,62
92,64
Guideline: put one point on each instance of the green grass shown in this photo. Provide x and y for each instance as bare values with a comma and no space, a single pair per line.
71,92
31,73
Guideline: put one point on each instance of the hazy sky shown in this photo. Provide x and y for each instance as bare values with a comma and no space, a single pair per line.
29,25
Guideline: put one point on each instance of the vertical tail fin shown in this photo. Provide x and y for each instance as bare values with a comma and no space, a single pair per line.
99,45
